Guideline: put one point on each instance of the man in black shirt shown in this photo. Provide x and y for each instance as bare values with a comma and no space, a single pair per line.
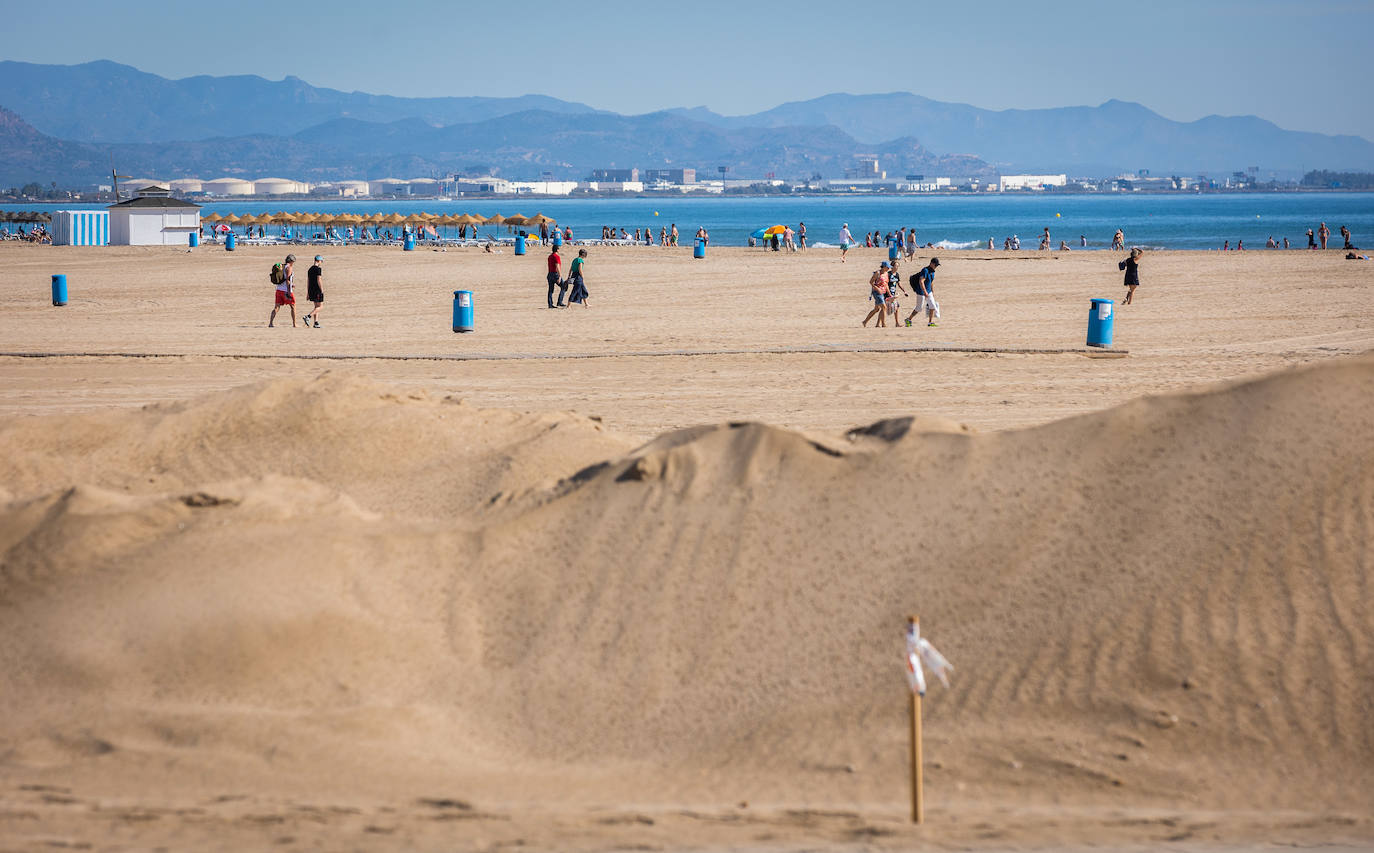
314,291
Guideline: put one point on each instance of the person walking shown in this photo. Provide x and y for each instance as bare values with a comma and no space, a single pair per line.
878,292
285,295
801,236
555,278
314,291
1323,234
923,285
894,292
1311,239
579,285
1132,267
845,241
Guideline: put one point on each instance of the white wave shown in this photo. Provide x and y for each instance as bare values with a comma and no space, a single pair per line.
950,244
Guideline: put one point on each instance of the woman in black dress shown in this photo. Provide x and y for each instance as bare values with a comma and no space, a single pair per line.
1132,267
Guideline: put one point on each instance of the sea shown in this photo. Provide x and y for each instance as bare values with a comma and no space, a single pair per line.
1156,221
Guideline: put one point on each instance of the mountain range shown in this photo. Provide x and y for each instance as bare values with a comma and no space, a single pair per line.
68,121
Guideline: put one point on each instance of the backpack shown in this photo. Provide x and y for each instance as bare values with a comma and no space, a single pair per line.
277,275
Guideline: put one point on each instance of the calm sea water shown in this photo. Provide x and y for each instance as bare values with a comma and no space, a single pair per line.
1162,221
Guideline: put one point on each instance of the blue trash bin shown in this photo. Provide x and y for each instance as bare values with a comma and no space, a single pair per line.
700,250
1100,317
557,240
892,253
59,290
410,243
519,244
230,242
193,239
462,310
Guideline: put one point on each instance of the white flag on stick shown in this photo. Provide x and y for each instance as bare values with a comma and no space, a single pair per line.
921,655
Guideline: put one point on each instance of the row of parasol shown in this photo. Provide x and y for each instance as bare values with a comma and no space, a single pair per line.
356,219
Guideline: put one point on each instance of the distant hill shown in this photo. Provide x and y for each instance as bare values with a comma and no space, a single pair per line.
107,102
1113,137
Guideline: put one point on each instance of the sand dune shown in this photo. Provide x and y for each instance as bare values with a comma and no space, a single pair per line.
1163,604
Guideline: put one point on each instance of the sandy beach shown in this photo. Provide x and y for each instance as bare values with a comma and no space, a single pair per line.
634,576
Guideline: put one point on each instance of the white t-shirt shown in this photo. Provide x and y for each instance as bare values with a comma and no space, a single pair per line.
286,282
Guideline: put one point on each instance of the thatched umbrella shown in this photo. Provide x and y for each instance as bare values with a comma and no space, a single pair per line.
211,217
541,219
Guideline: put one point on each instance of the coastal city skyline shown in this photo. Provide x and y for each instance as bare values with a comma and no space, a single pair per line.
1184,61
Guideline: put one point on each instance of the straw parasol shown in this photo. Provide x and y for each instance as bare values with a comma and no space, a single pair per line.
517,219
541,219
211,217
494,219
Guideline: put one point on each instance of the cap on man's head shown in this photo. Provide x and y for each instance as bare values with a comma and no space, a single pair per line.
319,257
934,262
290,259
883,265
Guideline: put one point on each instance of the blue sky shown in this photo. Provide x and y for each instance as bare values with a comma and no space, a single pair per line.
1298,64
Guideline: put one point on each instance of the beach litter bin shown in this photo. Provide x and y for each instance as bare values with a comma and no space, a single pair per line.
230,242
892,253
193,239
557,239
59,290
1100,323
519,244
699,251
462,310
410,243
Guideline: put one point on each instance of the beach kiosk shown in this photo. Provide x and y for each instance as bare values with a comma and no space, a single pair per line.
80,228
153,218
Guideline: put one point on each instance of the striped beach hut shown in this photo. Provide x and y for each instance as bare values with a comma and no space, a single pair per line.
80,228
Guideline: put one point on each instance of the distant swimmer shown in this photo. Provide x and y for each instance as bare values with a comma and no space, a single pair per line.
1083,240
1063,247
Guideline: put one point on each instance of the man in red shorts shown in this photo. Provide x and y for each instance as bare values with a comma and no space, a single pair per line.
285,294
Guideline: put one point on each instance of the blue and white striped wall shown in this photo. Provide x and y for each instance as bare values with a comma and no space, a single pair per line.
80,228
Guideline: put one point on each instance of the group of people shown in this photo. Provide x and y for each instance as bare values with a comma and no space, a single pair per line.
36,234
886,290
284,277
574,280
904,240
667,235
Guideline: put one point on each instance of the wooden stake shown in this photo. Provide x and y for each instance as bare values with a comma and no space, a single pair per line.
918,809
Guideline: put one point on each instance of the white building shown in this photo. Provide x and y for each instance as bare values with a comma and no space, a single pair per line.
388,186
613,186
182,186
228,186
154,218
542,187
495,186
1030,182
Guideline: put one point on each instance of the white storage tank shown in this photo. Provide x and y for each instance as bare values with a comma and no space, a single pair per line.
228,186
278,186
181,186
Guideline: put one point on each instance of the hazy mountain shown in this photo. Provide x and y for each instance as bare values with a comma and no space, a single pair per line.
245,125
523,145
107,102
1106,139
